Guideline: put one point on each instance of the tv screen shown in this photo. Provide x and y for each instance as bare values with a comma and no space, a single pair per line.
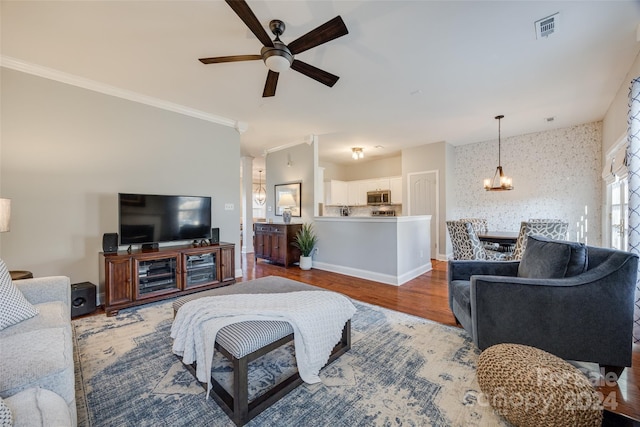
148,218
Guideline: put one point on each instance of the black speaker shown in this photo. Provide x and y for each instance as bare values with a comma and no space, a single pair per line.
215,236
83,298
110,243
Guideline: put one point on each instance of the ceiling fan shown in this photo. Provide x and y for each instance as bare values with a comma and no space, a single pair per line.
278,56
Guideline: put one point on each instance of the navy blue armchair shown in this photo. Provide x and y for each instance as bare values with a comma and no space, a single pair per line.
572,300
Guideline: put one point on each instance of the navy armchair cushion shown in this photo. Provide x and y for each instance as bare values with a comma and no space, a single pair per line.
552,259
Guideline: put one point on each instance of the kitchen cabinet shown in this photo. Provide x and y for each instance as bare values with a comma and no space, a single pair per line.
356,193
395,185
336,193
377,184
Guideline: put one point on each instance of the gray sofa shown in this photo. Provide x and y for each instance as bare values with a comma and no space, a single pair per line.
572,300
37,380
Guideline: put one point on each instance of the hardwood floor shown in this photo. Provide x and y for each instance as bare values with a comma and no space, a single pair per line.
427,297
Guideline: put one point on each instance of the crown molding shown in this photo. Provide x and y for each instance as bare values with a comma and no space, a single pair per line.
309,139
73,80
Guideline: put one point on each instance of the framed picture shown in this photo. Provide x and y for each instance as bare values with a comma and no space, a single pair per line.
289,196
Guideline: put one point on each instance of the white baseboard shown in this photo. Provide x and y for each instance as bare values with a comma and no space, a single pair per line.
370,275
444,257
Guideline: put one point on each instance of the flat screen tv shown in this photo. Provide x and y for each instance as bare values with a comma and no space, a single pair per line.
148,218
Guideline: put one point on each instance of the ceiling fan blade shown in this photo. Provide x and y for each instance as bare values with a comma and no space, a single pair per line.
326,32
270,85
235,58
242,9
315,73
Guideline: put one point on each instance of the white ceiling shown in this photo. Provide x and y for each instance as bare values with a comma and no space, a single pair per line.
411,72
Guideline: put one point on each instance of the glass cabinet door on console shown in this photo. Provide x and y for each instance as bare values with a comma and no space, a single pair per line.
157,275
200,269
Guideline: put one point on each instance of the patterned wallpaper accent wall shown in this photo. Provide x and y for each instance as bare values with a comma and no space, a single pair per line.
556,174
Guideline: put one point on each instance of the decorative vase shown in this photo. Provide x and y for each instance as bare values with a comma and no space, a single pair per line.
305,262
286,216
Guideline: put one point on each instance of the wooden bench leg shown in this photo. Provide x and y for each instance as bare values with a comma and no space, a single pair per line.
240,390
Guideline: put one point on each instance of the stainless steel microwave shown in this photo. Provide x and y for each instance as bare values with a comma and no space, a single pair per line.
381,197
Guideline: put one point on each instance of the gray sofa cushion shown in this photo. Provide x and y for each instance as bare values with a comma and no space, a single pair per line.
23,365
52,315
552,259
39,407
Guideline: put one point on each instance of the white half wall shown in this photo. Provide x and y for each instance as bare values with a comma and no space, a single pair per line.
387,250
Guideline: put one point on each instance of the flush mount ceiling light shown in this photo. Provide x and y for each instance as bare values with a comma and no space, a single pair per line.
500,181
357,153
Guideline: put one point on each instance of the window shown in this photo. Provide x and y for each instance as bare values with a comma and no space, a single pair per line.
618,214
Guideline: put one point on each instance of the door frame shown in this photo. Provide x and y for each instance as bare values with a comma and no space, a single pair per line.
434,218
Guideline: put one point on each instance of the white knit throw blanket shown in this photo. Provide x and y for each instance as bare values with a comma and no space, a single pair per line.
317,318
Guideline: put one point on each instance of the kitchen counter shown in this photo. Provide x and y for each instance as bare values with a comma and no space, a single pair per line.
390,250
356,217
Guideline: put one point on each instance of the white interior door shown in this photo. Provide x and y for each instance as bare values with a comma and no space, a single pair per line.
423,200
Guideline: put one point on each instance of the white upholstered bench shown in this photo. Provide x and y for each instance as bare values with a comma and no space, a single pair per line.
243,342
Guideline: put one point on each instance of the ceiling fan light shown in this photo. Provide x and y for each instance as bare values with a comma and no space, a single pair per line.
277,63
277,58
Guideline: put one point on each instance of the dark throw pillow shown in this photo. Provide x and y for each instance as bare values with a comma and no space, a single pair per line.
552,259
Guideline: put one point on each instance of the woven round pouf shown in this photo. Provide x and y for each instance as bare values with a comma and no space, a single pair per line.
530,387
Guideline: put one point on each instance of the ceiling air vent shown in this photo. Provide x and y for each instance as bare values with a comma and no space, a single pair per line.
547,26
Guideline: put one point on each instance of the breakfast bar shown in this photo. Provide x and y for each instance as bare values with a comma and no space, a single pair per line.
390,250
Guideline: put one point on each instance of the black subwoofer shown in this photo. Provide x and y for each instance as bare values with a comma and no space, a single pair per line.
83,298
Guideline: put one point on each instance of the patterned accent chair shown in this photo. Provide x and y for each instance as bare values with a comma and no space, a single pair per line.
467,245
553,229
479,224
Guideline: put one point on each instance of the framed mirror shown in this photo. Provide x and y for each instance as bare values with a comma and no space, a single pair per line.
288,196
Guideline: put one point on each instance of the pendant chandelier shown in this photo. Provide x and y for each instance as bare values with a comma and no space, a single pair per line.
260,192
500,181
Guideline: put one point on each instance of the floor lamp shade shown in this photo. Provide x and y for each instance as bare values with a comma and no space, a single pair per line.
5,214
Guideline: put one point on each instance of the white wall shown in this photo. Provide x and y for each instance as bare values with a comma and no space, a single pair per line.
614,125
363,169
67,152
387,250
430,157
374,168
556,174
286,166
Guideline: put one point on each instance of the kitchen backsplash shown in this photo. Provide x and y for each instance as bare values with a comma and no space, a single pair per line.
361,210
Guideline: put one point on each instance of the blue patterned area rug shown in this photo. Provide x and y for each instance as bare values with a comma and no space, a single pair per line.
401,371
